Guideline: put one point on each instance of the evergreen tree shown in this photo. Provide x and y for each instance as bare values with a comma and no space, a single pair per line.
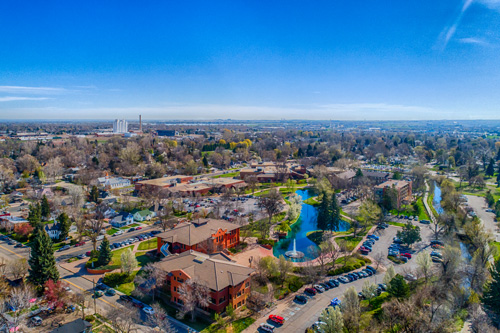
95,160
205,161
498,178
35,215
359,173
94,194
45,207
490,170
409,234
64,225
42,262
105,254
398,287
491,296
324,212
334,220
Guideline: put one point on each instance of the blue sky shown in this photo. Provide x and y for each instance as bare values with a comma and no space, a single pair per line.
250,60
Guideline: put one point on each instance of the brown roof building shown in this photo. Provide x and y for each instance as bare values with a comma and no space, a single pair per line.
229,282
204,235
403,189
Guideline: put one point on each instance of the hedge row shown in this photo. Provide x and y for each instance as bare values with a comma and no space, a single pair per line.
114,279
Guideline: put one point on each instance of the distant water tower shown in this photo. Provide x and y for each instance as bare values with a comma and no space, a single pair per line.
120,126
140,123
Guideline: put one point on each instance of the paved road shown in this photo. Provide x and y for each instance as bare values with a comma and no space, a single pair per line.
299,317
81,285
479,205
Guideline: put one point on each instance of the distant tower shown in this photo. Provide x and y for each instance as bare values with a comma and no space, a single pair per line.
140,123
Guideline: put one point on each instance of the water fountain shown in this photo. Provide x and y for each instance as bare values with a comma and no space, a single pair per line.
294,253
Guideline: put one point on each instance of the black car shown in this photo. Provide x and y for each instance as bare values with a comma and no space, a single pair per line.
18,245
371,269
330,284
300,299
125,298
100,286
324,285
334,282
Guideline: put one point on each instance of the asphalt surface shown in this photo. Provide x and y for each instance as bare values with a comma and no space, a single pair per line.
299,317
479,205
81,285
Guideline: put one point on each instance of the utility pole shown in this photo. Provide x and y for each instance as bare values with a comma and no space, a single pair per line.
95,298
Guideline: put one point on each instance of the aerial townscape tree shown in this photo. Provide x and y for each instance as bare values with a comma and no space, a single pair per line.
42,261
328,212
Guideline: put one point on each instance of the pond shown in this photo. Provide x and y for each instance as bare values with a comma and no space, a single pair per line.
306,222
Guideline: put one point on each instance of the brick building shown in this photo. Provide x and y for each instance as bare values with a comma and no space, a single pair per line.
203,235
229,282
403,189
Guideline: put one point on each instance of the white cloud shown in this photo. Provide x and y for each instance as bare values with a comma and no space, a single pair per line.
450,30
492,4
473,40
31,90
19,98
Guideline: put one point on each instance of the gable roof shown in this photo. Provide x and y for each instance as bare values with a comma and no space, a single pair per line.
215,271
75,326
191,233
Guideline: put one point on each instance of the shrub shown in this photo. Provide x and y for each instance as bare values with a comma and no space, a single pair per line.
263,241
358,265
114,279
295,283
89,263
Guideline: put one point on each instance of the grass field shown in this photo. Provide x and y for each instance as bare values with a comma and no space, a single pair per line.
130,226
112,231
352,241
228,175
148,244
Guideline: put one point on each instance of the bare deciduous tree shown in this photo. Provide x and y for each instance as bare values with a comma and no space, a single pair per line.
193,294
93,230
160,320
18,268
124,319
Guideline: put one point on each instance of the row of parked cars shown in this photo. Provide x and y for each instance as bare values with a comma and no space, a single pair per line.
12,242
367,245
130,241
396,249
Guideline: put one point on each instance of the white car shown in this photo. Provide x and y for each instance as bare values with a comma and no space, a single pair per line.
410,277
266,327
149,310
119,232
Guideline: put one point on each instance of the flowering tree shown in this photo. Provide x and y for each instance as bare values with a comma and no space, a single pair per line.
23,229
56,294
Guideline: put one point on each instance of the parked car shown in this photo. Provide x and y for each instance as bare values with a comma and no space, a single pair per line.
436,241
372,236
436,259
149,310
266,327
65,247
410,277
277,319
325,286
81,256
125,298
425,221
110,292
36,321
319,288
382,286
80,244
18,245
436,254
310,291
131,229
335,302
98,293
407,255
300,299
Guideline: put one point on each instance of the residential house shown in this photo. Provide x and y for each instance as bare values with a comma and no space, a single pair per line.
203,235
76,326
112,183
109,213
8,221
143,215
121,220
229,282
164,182
53,230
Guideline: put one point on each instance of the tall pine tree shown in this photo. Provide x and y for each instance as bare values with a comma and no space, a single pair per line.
491,296
324,212
42,262
105,254
490,170
64,225
45,207
94,194
35,215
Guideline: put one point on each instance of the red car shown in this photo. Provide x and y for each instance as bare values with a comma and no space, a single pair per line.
310,291
407,255
277,319
138,228
80,244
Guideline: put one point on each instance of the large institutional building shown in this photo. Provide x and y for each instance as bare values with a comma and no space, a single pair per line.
120,126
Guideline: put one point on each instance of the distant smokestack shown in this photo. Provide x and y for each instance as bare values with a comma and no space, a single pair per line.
140,123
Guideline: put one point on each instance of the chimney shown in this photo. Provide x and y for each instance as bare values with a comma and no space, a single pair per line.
140,123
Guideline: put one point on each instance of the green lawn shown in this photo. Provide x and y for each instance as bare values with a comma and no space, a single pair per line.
423,212
148,244
352,242
228,175
116,260
313,201
112,231
315,236
130,226
143,259
497,245
127,288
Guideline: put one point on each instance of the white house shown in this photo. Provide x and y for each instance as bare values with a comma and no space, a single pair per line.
53,230
109,213
121,220
144,215
113,183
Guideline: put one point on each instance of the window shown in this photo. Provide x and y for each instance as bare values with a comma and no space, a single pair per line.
175,288
222,299
247,284
239,293
213,301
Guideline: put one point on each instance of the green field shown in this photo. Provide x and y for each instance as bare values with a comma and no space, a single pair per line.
148,244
